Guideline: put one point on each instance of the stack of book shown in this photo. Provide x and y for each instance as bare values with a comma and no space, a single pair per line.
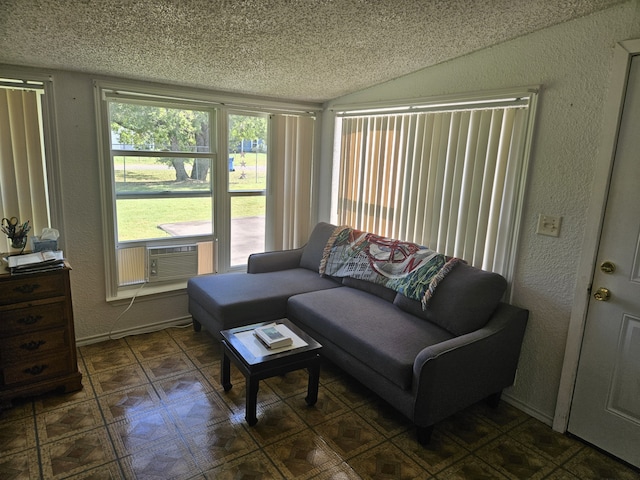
35,262
274,335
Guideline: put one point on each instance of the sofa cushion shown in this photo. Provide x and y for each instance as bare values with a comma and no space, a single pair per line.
243,298
463,301
314,248
369,328
370,287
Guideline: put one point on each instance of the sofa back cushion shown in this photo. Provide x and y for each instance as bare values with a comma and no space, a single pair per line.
314,248
462,302
370,287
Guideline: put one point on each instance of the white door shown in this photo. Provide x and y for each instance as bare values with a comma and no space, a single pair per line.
606,405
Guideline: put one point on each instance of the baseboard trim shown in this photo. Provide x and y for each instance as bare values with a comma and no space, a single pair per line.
153,327
544,418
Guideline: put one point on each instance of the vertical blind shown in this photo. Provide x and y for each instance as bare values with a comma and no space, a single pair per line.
291,189
23,179
450,180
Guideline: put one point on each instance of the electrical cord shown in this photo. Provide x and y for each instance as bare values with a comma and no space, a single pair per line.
115,322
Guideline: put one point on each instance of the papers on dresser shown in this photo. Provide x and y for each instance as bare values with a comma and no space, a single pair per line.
35,262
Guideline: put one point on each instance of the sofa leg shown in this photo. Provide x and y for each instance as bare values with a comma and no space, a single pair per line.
424,434
493,400
197,326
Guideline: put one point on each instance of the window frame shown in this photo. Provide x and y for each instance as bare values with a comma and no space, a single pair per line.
17,77
484,100
212,155
222,103
230,194
104,95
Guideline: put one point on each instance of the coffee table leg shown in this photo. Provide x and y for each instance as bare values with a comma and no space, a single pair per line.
225,372
314,379
251,401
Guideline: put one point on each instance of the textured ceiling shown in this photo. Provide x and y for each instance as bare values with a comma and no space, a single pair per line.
311,50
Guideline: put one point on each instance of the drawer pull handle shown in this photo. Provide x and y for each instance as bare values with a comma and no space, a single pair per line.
30,319
35,370
32,345
27,288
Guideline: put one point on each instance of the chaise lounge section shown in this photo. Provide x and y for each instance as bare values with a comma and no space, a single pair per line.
223,301
428,363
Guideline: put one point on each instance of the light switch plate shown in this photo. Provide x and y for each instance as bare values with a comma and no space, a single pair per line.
549,225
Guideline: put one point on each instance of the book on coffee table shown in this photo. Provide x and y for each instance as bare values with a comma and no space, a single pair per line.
274,335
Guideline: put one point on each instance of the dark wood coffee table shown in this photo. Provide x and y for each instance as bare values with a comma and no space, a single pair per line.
259,363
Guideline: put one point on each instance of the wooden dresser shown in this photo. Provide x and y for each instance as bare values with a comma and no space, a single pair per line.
37,340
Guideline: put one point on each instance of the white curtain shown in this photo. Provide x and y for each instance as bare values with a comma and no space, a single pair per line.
447,180
290,198
23,184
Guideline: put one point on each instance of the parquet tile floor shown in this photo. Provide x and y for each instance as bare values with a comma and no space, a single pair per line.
152,408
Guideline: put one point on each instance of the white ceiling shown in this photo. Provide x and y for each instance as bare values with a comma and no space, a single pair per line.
312,50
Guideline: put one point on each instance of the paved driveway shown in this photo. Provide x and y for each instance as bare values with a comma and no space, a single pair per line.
247,235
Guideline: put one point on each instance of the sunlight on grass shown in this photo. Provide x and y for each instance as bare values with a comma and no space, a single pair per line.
139,219
250,172
248,207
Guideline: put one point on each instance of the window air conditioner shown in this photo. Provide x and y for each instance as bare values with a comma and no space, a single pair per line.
171,262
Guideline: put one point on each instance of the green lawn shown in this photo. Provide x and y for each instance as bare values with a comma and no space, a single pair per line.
139,218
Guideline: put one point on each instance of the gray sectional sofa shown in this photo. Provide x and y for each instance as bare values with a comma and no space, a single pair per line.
427,363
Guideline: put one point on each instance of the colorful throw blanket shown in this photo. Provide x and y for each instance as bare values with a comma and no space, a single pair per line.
410,269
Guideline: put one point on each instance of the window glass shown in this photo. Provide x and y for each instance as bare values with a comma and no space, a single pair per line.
247,152
149,175
161,169
151,128
247,227
247,185
24,192
152,218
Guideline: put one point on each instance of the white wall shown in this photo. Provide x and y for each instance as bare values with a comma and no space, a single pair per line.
572,63
82,230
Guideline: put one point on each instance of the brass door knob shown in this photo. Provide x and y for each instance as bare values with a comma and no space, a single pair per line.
602,294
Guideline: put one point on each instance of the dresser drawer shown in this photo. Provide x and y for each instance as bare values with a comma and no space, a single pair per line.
36,370
31,287
35,317
17,348
37,338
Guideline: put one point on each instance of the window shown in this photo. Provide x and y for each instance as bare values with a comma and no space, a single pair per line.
161,159
193,186
247,184
449,176
162,154
24,190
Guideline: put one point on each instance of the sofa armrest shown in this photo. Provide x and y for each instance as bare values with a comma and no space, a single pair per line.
463,370
274,261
